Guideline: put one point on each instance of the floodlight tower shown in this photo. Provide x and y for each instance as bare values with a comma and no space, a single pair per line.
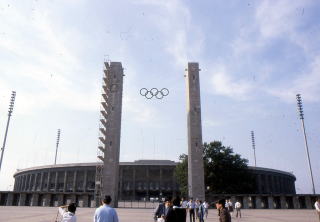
57,146
13,96
254,148
300,110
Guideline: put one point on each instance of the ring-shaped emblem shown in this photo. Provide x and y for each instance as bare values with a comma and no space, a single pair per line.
154,92
164,91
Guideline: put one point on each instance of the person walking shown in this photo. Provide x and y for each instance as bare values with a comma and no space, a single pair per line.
191,207
237,206
224,215
201,211
162,210
105,213
176,213
230,207
206,208
68,213
317,206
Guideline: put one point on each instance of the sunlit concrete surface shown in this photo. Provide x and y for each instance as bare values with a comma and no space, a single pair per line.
48,214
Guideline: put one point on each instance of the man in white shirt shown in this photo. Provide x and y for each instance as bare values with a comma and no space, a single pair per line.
317,206
237,206
191,206
184,203
68,215
206,207
105,213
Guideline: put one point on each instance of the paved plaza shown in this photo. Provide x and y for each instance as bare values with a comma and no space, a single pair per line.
48,214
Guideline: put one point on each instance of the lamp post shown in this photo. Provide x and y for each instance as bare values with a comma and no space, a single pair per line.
254,148
300,110
57,146
13,96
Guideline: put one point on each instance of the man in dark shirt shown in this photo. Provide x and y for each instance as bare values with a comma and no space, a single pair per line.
162,209
224,215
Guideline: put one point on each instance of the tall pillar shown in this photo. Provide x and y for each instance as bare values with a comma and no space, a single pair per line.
195,147
111,128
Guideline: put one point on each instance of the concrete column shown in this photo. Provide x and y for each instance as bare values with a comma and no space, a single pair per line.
56,181
308,202
48,182
60,199
16,184
9,199
134,184
85,180
160,183
283,202
30,182
268,183
26,183
120,183
258,202
74,181
41,182
22,199
270,202
35,199
65,181
245,202
259,184
174,185
46,200
84,201
296,203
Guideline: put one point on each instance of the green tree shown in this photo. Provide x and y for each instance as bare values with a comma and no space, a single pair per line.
181,174
225,172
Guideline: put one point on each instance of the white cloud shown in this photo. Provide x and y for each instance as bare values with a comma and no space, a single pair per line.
225,84
308,84
43,69
183,40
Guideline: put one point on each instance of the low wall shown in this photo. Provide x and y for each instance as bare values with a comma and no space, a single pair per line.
298,201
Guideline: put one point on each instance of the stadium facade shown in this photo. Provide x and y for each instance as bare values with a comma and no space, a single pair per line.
138,180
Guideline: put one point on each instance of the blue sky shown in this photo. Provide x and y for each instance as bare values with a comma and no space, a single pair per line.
254,56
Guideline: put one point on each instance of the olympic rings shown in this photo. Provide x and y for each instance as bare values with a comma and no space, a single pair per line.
154,92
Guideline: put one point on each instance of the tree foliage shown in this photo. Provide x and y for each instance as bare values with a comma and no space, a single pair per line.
225,171
181,173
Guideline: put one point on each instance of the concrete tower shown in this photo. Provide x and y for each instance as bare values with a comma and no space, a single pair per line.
195,160
110,130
